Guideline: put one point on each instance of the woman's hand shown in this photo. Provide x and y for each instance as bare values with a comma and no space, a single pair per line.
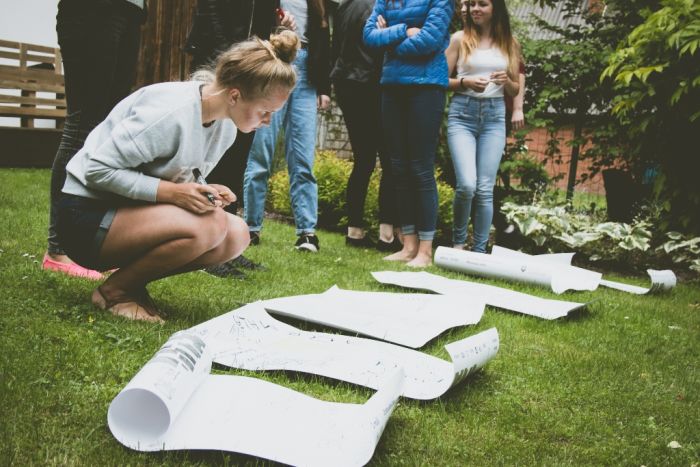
476,83
410,32
517,120
288,21
189,196
381,22
499,77
225,195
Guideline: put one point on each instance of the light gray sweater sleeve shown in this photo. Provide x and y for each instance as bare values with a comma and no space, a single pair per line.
113,166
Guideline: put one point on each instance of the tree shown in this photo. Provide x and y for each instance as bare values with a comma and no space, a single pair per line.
564,78
657,80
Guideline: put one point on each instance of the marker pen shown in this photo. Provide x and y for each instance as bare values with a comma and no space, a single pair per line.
200,179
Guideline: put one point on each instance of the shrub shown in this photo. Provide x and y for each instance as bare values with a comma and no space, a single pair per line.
554,228
332,176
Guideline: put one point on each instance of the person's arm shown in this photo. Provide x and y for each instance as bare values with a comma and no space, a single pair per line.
376,37
476,84
430,37
518,117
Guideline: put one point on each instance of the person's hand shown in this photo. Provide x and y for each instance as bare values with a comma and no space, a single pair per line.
189,196
517,119
499,77
381,22
225,195
323,101
476,83
410,32
288,21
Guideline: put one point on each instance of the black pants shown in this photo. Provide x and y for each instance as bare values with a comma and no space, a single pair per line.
231,167
361,107
99,42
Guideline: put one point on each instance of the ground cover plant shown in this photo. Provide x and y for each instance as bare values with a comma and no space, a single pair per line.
615,385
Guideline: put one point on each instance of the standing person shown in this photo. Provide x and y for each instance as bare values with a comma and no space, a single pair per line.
99,45
218,24
355,76
414,35
298,117
487,58
132,198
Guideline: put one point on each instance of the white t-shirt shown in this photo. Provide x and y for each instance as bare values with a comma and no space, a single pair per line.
483,62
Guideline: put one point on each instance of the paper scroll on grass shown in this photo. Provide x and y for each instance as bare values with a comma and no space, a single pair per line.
492,295
406,319
661,280
174,403
517,267
250,339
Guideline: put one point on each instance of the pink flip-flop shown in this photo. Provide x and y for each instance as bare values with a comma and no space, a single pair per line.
71,269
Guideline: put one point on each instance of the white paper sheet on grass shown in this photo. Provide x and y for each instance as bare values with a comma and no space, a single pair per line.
174,403
492,295
250,339
406,319
515,266
661,280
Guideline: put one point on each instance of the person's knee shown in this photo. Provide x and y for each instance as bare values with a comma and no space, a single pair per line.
465,189
237,238
211,229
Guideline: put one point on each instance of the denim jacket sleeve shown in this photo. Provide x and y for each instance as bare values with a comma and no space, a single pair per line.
386,37
432,35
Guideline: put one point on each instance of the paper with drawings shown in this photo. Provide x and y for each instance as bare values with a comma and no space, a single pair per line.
174,403
661,280
492,295
515,266
406,319
250,339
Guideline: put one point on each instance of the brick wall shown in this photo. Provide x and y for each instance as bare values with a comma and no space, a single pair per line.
332,135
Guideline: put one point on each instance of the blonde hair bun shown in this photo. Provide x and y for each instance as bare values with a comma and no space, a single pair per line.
285,43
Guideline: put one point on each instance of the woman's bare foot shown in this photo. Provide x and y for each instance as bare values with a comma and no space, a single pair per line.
126,305
403,255
421,260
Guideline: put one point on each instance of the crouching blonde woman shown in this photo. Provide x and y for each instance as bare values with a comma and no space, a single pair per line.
131,200
487,59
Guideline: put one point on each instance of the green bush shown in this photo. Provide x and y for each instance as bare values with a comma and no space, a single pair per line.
332,176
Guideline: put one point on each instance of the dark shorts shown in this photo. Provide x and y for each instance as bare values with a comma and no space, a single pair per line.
82,226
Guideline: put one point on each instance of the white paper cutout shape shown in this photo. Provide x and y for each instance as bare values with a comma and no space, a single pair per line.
519,267
250,339
492,295
406,319
174,403
661,280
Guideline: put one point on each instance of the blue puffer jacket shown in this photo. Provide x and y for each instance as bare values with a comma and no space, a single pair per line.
412,60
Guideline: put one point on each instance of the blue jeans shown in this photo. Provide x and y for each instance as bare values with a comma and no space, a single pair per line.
476,134
299,119
411,117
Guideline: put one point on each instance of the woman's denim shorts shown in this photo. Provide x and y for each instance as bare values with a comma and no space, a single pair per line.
82,226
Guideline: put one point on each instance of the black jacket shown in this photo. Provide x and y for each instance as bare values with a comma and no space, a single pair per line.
218,24
352,59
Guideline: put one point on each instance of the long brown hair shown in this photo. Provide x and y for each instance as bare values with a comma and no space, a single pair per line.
500,34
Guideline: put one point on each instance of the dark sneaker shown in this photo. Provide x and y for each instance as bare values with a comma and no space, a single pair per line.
254,238
245,263
363,242
224,270
390,247
307,242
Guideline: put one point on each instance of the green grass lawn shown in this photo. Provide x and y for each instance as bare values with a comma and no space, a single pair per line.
612,386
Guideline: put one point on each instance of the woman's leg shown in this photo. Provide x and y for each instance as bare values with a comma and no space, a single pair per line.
150,242
99,47
461,138
300,147
360,106
490,145
395,125
426,106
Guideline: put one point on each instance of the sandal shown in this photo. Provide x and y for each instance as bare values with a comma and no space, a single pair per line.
140,308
